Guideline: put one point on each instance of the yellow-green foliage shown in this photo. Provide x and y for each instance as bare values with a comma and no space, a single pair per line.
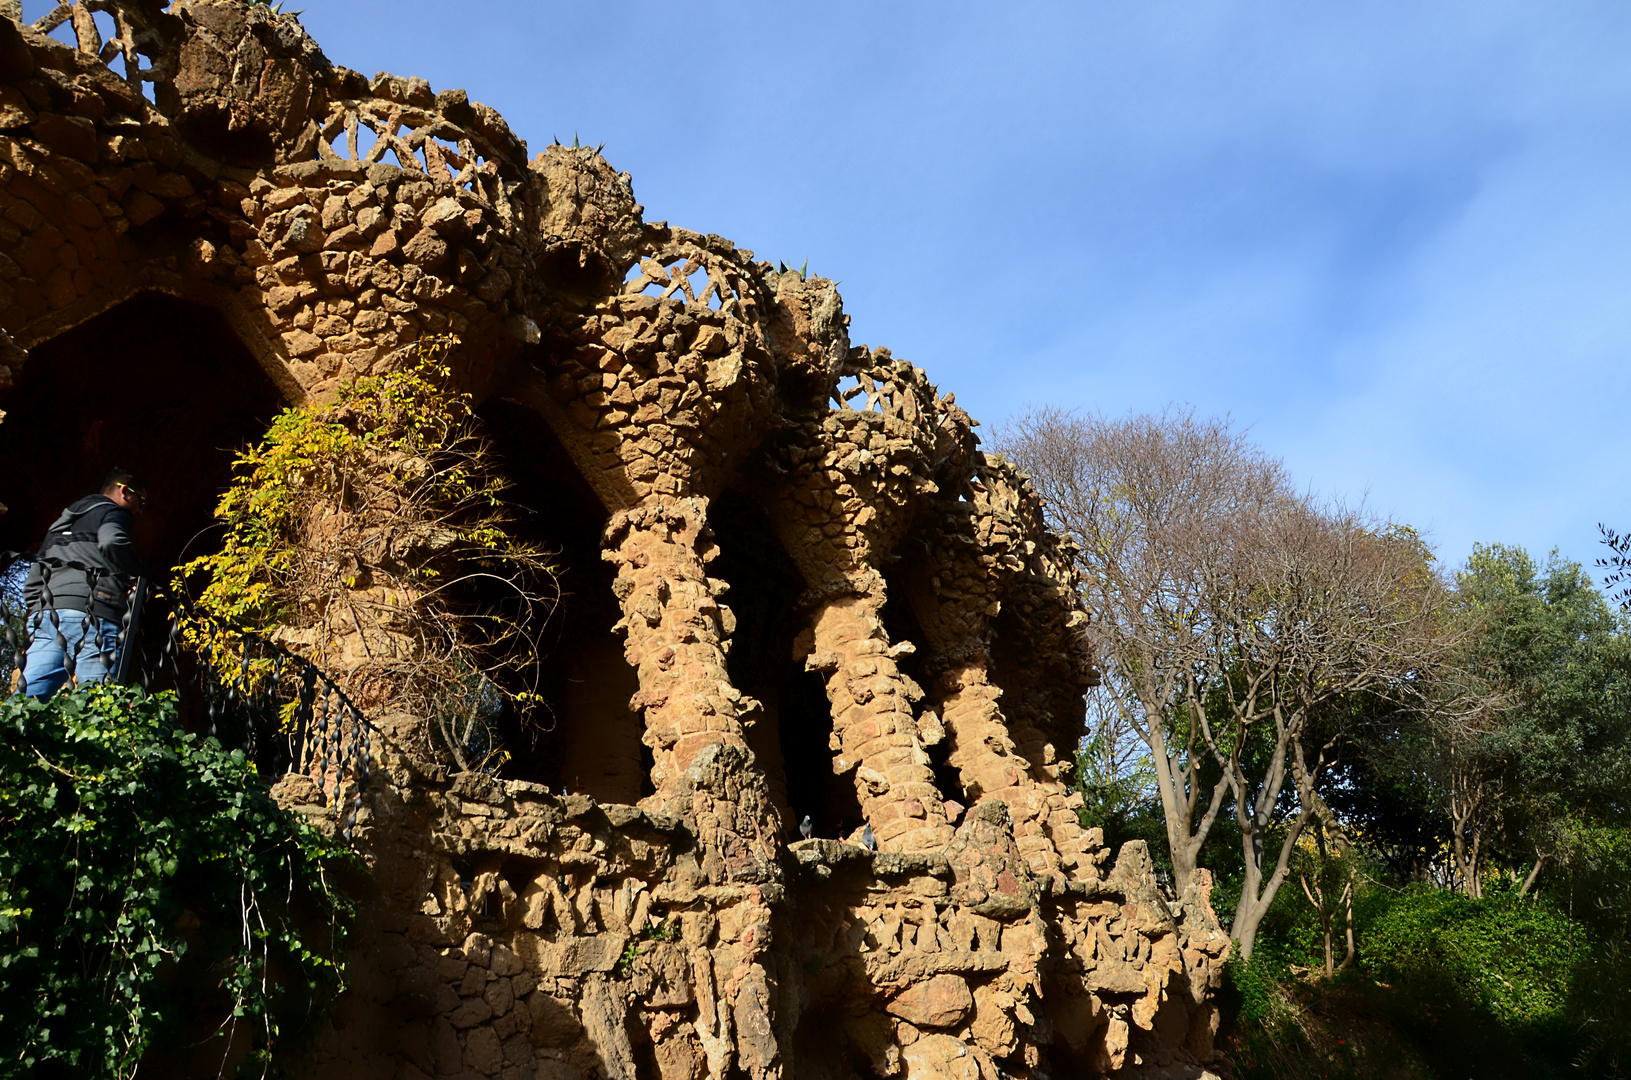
361,515
382,428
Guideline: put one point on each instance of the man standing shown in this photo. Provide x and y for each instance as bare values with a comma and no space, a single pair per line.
77,592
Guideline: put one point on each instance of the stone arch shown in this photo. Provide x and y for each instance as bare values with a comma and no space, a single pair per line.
587,739
792,725
324,264
248,322
157,384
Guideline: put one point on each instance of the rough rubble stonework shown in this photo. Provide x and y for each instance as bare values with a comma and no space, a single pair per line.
512,931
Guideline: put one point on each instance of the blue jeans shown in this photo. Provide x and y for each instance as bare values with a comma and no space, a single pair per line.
95,655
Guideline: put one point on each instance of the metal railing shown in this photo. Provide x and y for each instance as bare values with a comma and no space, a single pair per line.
231,683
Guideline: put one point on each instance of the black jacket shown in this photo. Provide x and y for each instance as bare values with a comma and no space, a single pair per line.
94,535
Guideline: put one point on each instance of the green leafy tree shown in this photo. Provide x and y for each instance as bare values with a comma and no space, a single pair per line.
1533,742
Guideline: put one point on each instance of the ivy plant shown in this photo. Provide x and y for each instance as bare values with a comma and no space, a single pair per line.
154,900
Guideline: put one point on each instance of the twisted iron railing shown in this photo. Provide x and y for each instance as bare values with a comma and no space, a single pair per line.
240,687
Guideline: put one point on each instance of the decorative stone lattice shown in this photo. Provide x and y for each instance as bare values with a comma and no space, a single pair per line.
516,932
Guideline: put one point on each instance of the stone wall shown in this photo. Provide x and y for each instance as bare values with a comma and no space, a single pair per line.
518,932
514,930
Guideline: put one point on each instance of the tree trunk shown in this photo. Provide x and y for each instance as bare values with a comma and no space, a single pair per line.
1348,899
1248,912
1534,872
1178,786
1475,877
1316,897
1257,892
1467,838
1177,807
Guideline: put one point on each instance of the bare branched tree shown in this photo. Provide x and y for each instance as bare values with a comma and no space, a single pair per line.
1113,761
1234,617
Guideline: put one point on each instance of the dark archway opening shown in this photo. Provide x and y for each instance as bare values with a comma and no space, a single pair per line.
763,596
583,737
806,730
209,129
791,737
901,624
158,385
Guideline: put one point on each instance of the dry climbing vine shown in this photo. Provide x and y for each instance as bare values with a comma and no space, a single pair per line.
371,534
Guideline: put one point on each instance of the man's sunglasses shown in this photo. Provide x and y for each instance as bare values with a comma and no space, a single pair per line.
141,500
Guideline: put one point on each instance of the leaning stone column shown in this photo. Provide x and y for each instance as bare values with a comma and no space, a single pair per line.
657,399
976,545
1047,669
852,481
675,632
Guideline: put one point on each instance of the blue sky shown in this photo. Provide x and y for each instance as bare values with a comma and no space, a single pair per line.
1392,239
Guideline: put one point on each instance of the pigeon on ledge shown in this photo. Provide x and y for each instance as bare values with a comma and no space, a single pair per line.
869,841
806,829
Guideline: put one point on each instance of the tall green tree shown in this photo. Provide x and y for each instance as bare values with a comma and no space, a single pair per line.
1534,742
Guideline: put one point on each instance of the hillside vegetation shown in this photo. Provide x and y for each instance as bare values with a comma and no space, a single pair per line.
1407,780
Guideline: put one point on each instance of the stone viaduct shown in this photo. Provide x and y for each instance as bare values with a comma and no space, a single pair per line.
795,584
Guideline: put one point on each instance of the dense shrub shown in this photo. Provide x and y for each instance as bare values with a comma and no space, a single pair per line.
1445,986
376,524
1511,956
152,894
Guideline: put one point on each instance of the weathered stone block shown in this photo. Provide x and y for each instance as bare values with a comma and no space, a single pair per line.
471,1012
941,1002
482,1051
940,1057
554,1020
